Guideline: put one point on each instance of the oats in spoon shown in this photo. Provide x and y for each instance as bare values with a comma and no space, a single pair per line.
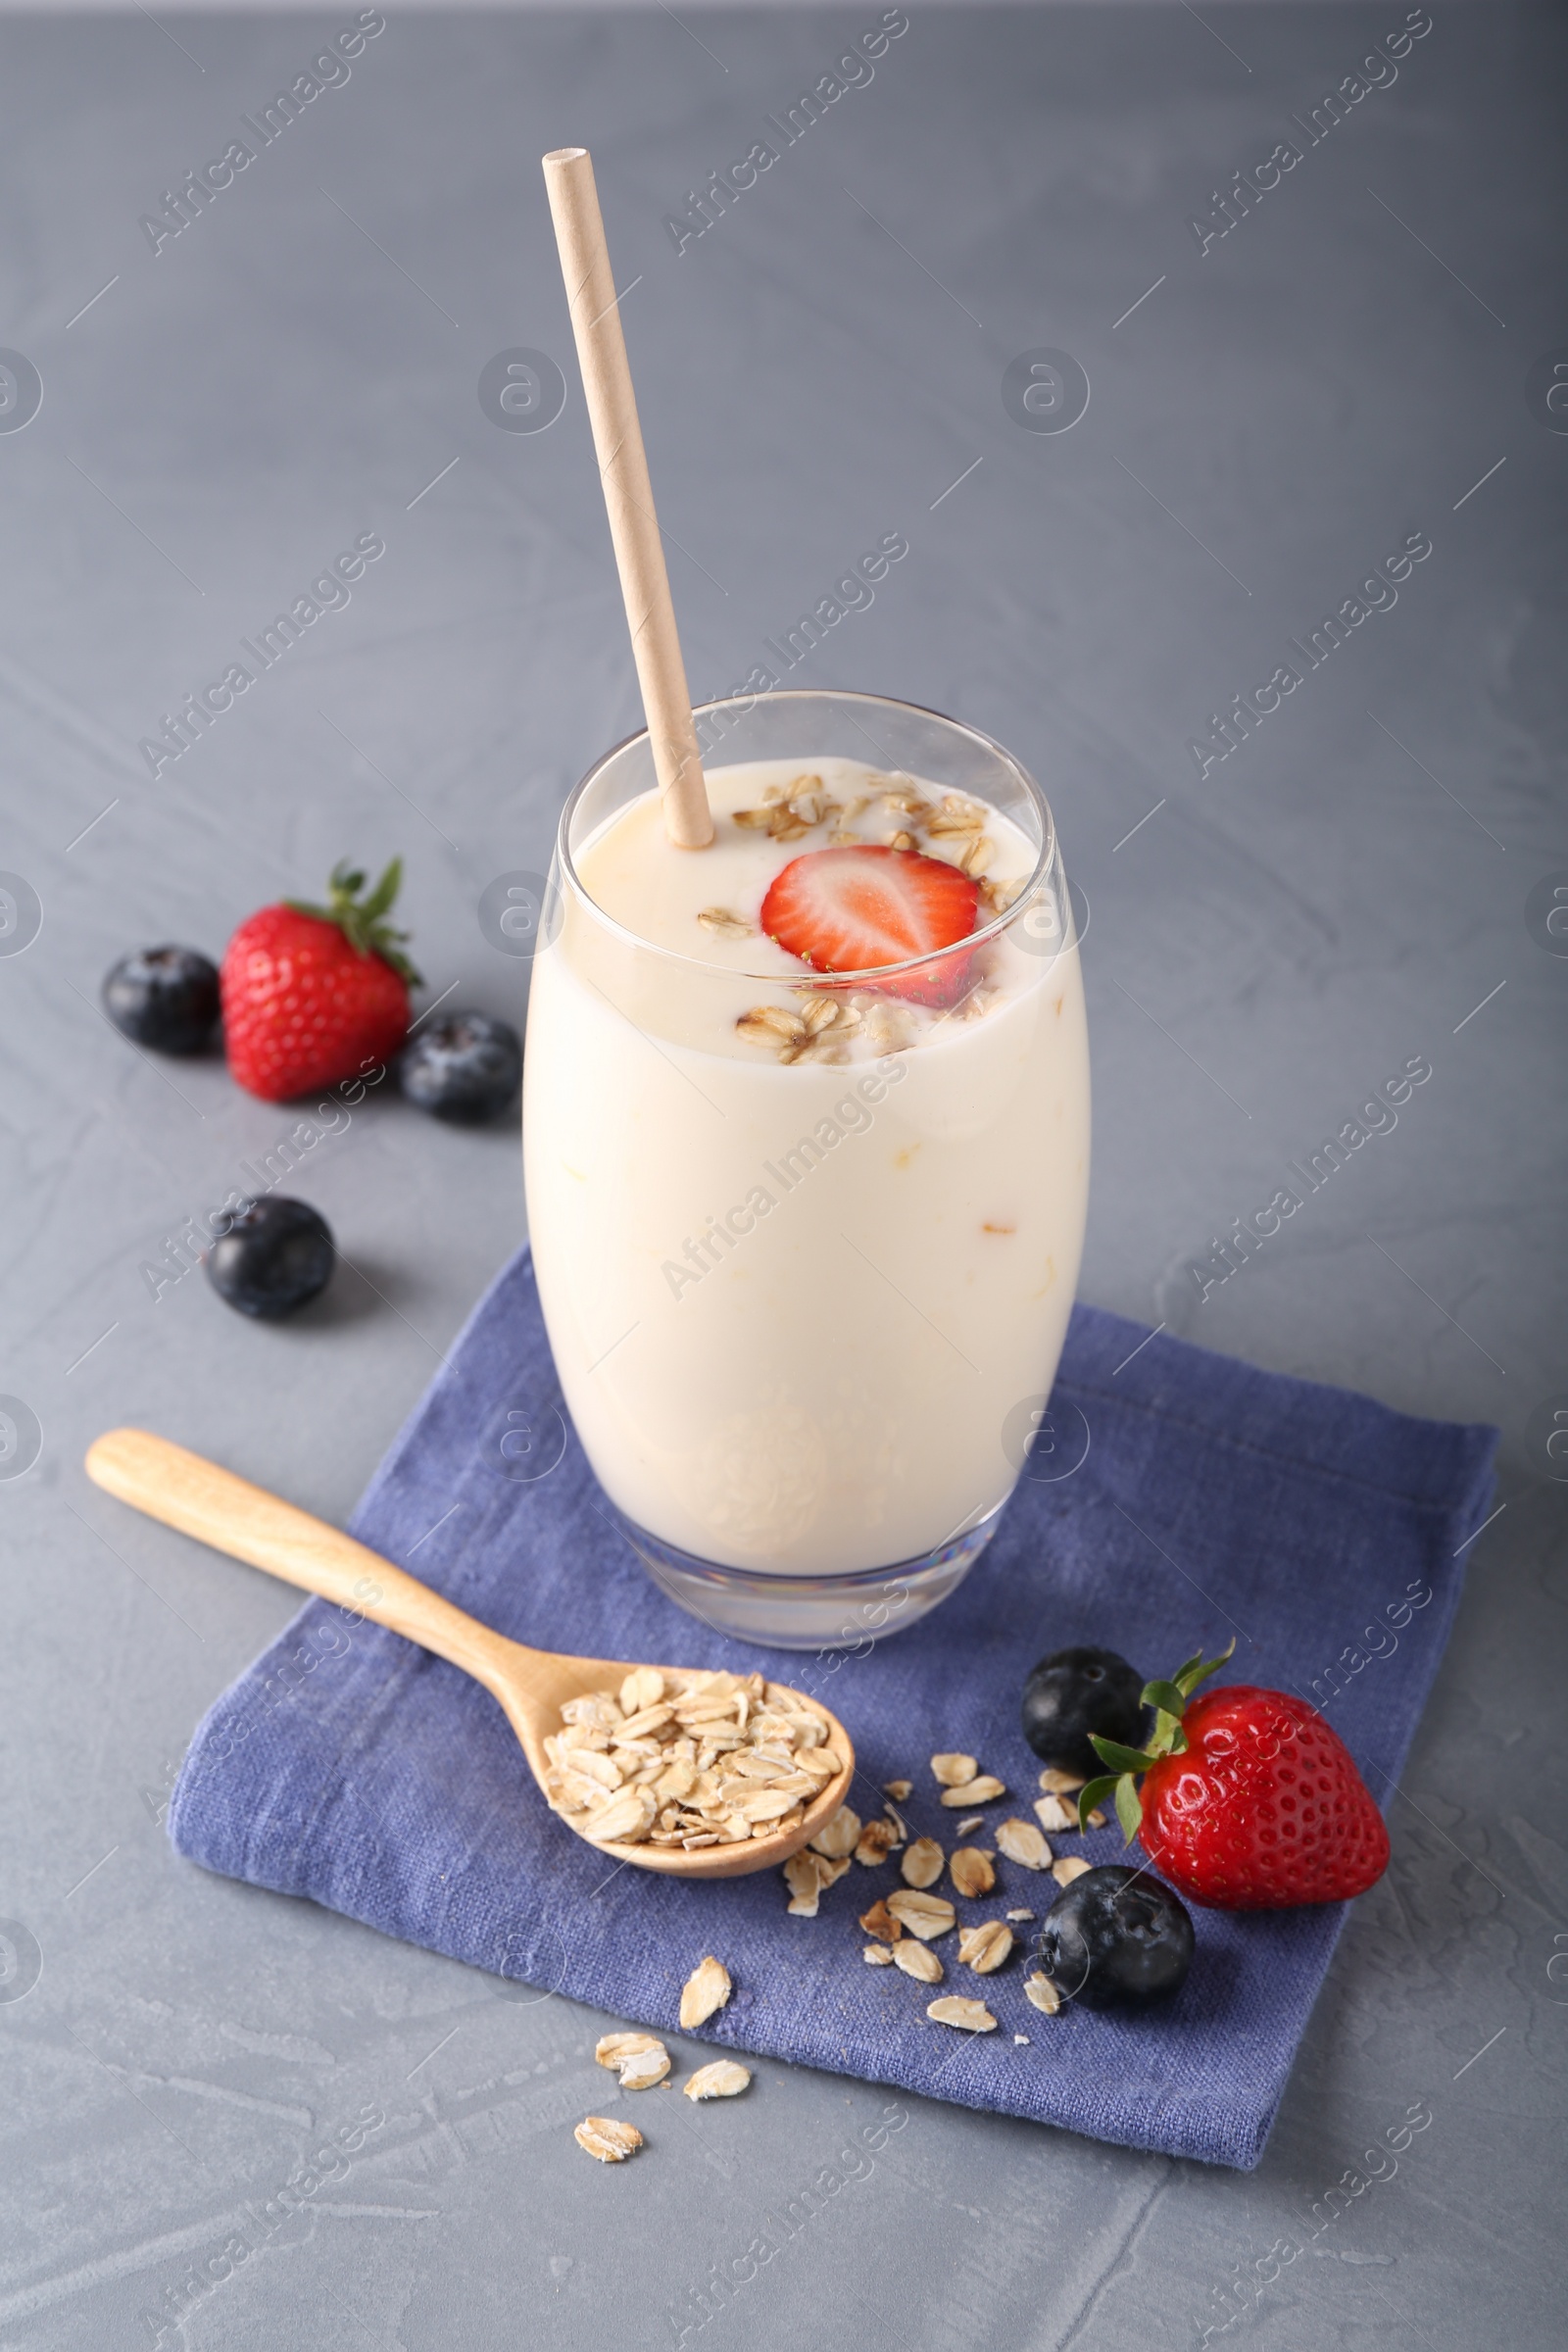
688,1759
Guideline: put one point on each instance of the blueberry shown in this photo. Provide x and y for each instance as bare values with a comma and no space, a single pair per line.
275,1254
1116,1937
1077,1691
166,998
464,1068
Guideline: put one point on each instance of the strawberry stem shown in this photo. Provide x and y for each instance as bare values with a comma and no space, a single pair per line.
363,921
1167,1739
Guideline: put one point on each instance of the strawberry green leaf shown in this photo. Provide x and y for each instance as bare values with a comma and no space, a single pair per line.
1129,1809
1169,1698
385,890
1119,1758
1095,1793
1201,1668
1188,1666
363,922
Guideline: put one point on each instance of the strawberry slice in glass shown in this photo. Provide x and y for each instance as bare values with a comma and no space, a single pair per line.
860,908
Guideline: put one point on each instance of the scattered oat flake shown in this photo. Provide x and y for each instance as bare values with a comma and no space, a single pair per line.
722,2080
971,1871
1056,1783
923,1915
601,2135
953,1770
916,1961
880,1921
1021,2040
1020,1915
706,1990
1056,1813
986,1948
877,1840
896,1790
805,1887
840,1835
1070,1867
639,2059
611,2048
970,2017
878,1955
922,1863
972,1823
1041,1993
1022,1842
805,1875
1094,1819
981,1791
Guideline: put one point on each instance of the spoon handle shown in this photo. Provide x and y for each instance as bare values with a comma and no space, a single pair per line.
195,1496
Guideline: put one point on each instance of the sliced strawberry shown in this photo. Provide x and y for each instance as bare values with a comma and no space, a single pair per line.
855,909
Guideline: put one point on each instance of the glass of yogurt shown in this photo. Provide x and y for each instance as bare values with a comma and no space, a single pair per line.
807,1226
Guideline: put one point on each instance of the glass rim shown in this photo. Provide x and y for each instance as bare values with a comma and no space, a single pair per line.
876,975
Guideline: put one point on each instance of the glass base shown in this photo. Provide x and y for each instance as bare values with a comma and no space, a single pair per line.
809,1612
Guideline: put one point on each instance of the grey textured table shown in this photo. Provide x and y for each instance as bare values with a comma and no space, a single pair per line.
1273,411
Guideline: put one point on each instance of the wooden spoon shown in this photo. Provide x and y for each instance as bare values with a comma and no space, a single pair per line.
199,1499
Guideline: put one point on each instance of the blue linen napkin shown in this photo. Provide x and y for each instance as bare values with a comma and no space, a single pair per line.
1322,1530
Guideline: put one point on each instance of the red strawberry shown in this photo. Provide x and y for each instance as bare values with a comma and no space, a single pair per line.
315,994
1248,1801
852,909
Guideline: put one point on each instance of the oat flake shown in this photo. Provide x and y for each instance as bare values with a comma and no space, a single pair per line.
706,1990
916,1961
722,2080
922,1863
611,2141
970,2017
1021,1841
924,1915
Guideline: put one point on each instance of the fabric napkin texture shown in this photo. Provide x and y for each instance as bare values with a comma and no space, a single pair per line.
1323,1530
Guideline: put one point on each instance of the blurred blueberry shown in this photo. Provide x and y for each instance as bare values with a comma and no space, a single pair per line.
275,1254
166,998
464,1068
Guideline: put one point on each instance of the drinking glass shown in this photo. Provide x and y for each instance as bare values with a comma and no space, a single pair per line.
806,1314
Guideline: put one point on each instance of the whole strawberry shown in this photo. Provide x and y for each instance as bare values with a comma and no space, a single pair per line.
1248,1801
315,994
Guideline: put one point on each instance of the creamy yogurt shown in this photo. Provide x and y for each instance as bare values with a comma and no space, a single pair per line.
801,1248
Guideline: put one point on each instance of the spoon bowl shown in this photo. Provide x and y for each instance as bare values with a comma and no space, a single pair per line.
530,1686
